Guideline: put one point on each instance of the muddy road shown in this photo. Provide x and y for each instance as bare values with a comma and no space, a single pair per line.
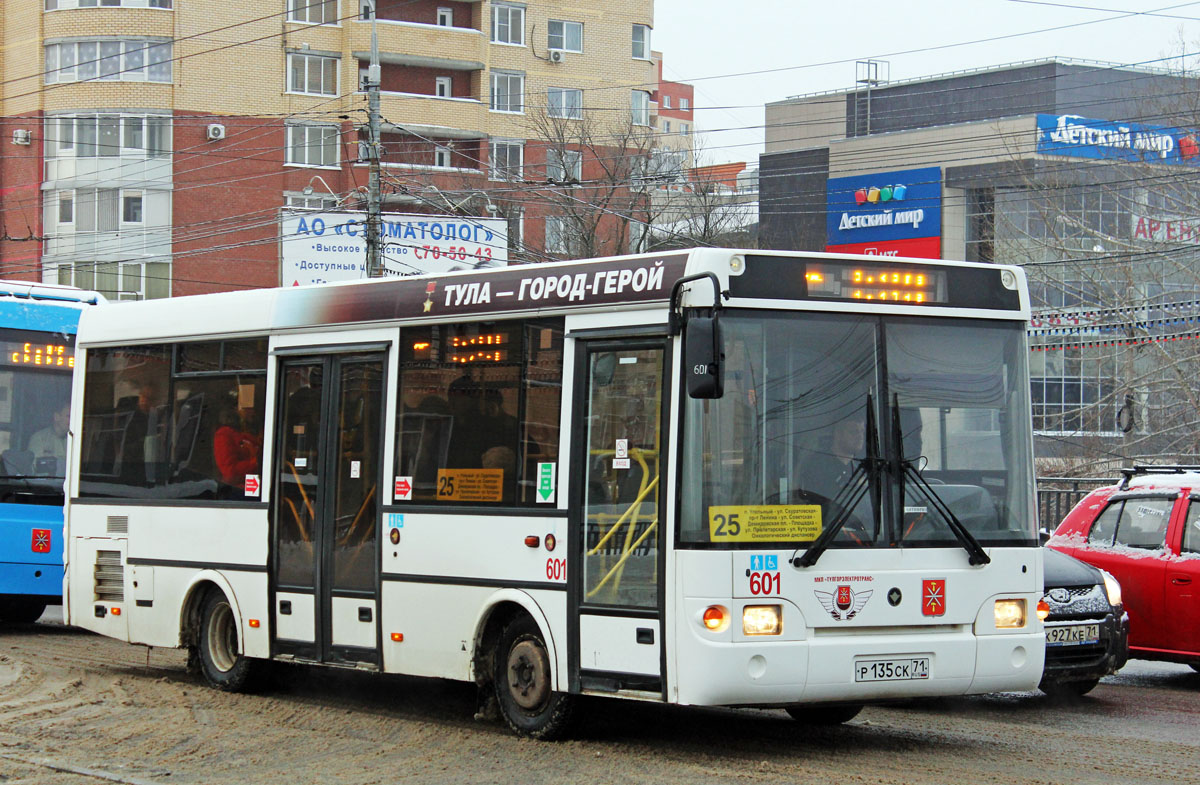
77,709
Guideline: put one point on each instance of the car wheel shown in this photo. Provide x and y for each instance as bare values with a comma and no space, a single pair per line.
1068,689
21,611
816,714
524,684
222,666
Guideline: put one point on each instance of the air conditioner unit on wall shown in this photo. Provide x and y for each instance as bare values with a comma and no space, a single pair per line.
22,136
214,132
556,56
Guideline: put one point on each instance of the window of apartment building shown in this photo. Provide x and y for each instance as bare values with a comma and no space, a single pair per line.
564,165
684,105
508,24
508,91
312,74
137,281
684,129
106,136
443,86
515,216
666,102
567,36
505,159
666,126
123,59
445,17
313,145
557,234
641,42
441,156
565,102
54,5
316,12
131,207
309,201
640,104
66,207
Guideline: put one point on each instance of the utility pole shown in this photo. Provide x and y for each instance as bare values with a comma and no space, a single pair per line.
374,197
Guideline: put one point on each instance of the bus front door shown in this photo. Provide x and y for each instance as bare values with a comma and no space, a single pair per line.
324,564
618,506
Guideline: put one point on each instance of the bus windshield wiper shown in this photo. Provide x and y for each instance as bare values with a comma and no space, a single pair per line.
864,479
902,469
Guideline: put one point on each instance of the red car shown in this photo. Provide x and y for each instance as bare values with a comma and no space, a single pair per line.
1146,532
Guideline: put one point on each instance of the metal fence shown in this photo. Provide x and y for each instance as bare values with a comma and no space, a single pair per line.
1057,495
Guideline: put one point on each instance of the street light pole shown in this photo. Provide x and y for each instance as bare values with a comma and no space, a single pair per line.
374,197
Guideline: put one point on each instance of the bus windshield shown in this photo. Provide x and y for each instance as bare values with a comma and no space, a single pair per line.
35,397
942,403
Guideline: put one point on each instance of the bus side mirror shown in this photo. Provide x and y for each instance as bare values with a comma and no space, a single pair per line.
703,357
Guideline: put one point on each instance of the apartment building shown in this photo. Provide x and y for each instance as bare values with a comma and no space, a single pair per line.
149,146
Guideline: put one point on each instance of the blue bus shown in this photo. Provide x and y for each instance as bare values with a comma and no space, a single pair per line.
37,361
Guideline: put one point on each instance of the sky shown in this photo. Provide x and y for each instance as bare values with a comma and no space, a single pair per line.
741,56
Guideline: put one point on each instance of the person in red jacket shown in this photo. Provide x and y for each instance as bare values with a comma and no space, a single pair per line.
236,449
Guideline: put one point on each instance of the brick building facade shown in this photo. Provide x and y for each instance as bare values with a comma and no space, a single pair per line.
149,146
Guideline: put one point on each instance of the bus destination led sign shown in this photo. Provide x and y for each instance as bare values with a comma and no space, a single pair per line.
40,355
876,283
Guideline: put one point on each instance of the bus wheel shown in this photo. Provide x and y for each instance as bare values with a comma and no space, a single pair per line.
21,611
523,682
220,662
818,714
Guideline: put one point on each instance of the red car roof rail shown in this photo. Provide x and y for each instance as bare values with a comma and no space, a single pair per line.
1128,473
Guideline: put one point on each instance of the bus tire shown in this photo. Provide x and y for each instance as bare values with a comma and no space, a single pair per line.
220,663
819,714
523,681
21,610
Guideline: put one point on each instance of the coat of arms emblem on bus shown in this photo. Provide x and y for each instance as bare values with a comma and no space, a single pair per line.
40,541
933,597
844,603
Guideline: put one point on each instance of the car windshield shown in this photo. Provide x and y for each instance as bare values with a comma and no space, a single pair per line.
781,455
35,396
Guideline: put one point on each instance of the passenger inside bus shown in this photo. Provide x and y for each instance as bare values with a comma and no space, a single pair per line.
48,446
236,446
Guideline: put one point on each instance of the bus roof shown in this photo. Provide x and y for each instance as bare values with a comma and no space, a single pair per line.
44,307
556,287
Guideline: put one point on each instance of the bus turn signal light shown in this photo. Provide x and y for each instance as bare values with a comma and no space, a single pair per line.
254,624
716,618
1043,610
115,611
398,637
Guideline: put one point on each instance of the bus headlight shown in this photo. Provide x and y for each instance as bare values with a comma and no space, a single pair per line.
1010,614
762,620
1112,588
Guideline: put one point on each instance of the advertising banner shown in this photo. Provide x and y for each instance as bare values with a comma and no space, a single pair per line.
1164,229
885,212
1080,137
918,248
320,247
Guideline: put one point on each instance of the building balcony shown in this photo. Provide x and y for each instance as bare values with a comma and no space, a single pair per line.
421,44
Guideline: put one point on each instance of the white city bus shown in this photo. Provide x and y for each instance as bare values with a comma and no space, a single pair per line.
710,477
